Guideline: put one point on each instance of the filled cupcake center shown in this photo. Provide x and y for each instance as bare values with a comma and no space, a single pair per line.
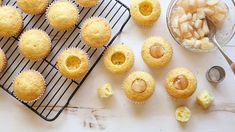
181,82
157,51
145,8
139,85
73,62
118,58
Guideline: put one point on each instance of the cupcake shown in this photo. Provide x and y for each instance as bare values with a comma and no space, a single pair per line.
182,114
11,21
181,83
62,15
156,52
87,3
145,12
96,32
73,63
3,61
34,44
33,7
118,59
29,86
139,87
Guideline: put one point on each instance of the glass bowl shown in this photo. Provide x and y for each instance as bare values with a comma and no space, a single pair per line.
223,35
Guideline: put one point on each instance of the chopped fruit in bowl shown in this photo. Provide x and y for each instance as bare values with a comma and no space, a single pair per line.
189,22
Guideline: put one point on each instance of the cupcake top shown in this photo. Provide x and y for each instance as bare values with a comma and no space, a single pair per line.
87,3
156,52
62,15
96,32
105,91
118,58
139,86
3,60
33,7
182,114
29,86
181,83
145,12
34,44
73,63
11,21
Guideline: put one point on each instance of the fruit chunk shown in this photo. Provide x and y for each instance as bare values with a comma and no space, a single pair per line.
105,91
204,99
182,114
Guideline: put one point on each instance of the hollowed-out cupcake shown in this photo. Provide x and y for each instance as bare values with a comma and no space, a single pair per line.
139,87
34,44
29,86
118,58
3,61
33,7
11,21
181,83
156,52
87,3
96,32
145,12
73,63
62,15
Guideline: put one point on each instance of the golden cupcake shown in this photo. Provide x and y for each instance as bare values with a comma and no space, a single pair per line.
96,32
29,86
87,3
139,87
181,83
145,12
3,61
156,52
182,114
62,15
33,7
118,58
11,21
34,44
73,63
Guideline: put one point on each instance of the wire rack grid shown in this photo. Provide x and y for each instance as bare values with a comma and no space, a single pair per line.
59,90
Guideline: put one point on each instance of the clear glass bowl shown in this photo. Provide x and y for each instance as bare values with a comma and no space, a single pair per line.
223,35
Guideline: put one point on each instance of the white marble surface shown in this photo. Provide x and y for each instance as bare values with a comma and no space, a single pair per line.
88,113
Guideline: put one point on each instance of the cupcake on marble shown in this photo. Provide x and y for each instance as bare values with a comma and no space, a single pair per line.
87,3
33,7
145,12
62,15
139,87
156,52
73,63
96,32
3,61
181,83
11,21
29,86
35,44
118,59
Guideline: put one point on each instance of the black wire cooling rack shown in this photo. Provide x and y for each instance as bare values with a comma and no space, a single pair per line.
59,90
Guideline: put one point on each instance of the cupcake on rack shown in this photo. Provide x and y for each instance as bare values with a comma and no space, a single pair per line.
11,21
156,52
73,63
33,7
29,86
96,32
62,15
181,83
118,59
3,61
87,3
139,87
34,44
